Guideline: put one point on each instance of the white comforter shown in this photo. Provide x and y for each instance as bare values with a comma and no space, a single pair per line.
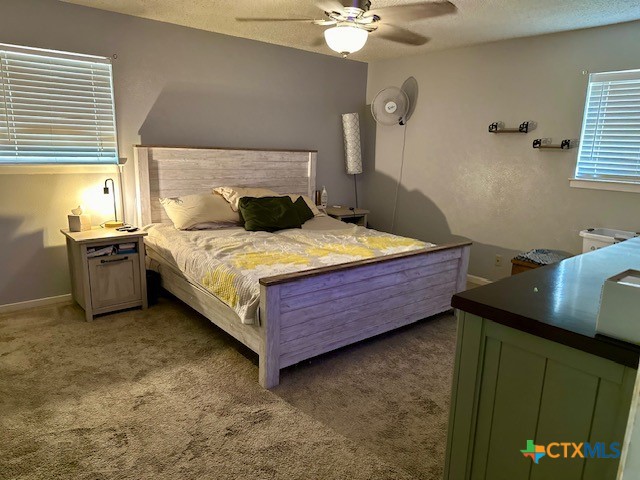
229,262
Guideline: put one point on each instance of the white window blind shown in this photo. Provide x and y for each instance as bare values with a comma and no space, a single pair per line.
55,108
610,141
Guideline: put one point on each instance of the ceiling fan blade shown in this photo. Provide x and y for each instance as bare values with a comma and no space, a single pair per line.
399,35
324,23
261,19
413,11
329,6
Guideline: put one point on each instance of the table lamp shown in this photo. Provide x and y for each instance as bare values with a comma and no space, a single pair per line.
112,223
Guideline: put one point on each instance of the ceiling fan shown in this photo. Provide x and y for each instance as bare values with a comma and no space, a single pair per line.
351,25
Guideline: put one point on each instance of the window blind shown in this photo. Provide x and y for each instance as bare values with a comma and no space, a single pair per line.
55,108
610,139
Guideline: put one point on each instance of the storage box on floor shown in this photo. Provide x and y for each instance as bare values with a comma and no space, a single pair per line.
595,238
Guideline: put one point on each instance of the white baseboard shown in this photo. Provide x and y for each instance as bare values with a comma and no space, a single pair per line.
38,302
478,280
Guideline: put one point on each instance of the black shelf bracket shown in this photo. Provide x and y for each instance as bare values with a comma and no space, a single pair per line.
524,127
545,144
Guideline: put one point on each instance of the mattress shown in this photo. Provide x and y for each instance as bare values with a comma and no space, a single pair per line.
229,262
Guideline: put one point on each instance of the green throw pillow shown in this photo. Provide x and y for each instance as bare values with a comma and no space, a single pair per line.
304,212
268,214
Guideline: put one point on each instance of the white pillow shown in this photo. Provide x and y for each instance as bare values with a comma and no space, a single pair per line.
234,194
308,201
189,211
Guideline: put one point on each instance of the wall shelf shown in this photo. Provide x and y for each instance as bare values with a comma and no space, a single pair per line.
524,127
545,144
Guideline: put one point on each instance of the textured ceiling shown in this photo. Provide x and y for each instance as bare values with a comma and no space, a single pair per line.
477,21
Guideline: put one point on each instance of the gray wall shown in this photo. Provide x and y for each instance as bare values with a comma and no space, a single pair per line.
461,182
173,86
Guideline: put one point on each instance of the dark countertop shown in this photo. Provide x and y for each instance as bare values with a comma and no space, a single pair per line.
560,302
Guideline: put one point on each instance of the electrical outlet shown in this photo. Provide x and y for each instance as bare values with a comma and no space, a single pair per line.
498,262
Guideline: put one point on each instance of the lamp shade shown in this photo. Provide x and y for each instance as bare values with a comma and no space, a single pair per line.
352,147
345,39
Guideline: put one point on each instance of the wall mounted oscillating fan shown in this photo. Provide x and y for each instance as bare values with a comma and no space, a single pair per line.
390,106
394,106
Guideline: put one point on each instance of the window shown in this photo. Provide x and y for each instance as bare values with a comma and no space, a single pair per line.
610,141
55,108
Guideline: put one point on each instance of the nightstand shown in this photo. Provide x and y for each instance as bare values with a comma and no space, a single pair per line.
357,215
107,270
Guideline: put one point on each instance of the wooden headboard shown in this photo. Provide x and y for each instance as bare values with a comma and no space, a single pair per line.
173,171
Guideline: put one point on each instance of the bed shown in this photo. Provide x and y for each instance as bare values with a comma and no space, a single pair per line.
299,314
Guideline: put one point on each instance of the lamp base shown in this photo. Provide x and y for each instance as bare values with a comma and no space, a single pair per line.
113,224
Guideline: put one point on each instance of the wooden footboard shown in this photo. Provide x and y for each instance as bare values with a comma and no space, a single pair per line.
307,313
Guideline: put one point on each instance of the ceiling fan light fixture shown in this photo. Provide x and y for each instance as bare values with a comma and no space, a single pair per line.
345,39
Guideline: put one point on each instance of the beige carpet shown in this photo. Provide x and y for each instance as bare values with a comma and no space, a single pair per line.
164,394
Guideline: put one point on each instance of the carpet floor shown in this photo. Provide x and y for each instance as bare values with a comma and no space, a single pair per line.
164,394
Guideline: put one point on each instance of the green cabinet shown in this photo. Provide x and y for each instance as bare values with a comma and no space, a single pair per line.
510,387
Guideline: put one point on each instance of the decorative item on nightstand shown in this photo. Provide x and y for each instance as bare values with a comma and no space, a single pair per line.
79,221
352,147
115,223
324,198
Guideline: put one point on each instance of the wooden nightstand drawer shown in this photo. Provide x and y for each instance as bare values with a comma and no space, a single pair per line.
114,280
